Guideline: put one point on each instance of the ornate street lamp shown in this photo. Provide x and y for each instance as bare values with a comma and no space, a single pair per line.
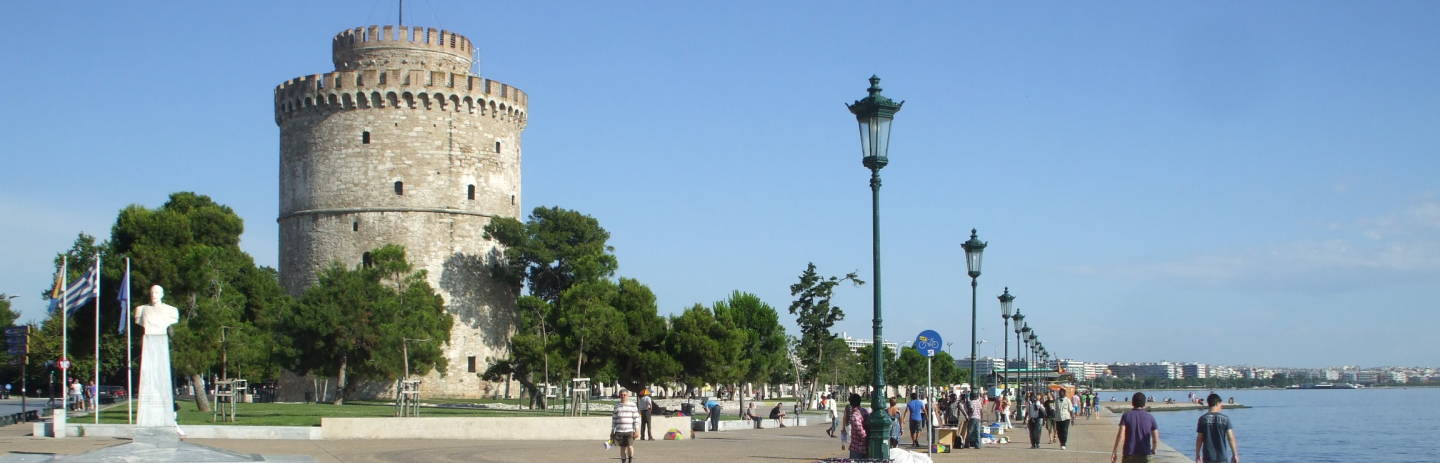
875,113
1006,300
974,248
1019,325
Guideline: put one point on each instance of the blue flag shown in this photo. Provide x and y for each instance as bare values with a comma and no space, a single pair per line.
125,299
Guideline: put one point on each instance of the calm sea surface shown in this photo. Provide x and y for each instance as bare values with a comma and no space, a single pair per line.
1371,425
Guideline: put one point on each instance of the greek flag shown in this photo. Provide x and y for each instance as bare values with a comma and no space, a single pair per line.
125,298
79,292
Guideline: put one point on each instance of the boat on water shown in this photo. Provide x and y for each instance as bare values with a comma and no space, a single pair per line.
1326,386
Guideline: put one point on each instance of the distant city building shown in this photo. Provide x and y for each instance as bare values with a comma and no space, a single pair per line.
1195,370
1162,370
984,366
1332,375
856,343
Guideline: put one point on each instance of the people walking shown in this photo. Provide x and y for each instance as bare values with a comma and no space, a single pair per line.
1214,437
647,406
895,416
622,427
1050,413
855,416
1138,435
832,412
1062,420
1034,418
916,410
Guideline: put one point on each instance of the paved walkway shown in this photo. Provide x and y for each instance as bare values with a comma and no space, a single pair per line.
1090,441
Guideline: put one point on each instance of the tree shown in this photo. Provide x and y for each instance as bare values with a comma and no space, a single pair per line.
191,247
352,323
763,346
815,314
7,314
639,356
910,368
709,348
551,252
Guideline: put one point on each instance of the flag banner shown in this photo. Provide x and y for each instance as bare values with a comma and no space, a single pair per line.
79,292
125,299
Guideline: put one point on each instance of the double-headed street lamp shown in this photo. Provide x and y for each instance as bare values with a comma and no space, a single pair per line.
875,113
974,248
1005,302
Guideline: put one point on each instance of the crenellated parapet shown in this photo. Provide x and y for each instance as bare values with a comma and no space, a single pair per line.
381,47
400,89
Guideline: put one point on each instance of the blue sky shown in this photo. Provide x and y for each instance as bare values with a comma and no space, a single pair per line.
1223,182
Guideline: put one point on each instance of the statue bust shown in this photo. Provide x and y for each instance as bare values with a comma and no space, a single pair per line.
157,316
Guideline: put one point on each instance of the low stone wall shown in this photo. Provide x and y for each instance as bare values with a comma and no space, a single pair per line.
595,428
486,428
191,431
768,423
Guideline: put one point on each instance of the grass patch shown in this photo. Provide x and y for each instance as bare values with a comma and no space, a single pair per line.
292,414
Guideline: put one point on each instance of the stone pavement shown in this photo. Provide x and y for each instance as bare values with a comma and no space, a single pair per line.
1090,441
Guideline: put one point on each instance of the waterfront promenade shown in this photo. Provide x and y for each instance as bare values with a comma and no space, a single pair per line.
1090,442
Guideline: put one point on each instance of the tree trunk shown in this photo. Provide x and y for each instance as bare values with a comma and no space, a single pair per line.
340,383
202,400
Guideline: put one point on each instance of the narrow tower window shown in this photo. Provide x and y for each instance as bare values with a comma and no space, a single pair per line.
366,261
470,192
355,226
512,200
471,361
399,188
365,137
497,147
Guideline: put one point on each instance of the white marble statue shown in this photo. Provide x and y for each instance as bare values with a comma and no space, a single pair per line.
157,400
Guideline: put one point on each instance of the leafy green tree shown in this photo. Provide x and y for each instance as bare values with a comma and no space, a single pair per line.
352,323
552,251
764,344
815,314
910,368
709,348
7,314
944,369
639,356
191,247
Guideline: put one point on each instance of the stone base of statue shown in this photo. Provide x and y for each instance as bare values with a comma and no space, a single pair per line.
154,444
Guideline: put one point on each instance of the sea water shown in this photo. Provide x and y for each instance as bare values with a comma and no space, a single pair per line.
1336,425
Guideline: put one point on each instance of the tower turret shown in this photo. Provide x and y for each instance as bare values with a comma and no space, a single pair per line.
402,145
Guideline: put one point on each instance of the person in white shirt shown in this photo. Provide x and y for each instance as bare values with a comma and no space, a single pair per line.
622,427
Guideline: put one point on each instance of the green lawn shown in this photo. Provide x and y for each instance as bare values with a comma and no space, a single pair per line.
287,414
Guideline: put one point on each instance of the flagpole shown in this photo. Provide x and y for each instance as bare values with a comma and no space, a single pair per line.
59,423
129,362
95,396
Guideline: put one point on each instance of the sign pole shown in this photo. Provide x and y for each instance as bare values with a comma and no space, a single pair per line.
930,390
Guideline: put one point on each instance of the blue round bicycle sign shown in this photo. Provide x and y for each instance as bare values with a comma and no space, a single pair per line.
928,343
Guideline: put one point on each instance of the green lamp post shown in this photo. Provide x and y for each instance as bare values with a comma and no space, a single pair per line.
875,113
1020,381
974,248
1006,301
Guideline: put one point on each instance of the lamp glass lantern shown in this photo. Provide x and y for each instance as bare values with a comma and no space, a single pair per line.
874,114
974,248
1006,301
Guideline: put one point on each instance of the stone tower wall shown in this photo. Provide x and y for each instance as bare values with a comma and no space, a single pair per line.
401,146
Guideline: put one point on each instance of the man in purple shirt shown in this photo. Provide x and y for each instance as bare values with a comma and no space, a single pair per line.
1138,433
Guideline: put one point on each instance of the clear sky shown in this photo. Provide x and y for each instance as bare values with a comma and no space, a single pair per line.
1237,183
